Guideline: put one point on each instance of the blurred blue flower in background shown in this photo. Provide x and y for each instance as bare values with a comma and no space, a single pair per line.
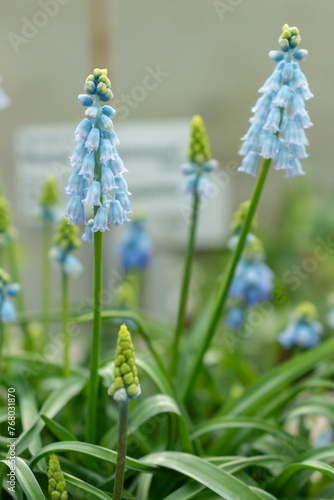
235,317
253,279
135,249
7,290
303,331
276,133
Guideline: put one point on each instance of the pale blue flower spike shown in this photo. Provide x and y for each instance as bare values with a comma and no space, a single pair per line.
97,167
280,116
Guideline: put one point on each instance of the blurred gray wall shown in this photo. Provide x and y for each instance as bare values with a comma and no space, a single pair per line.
213,56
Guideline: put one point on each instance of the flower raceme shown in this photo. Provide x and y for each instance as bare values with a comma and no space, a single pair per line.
97,167
57,485
277,127
49,200
125,383
304,330
67,241
200,163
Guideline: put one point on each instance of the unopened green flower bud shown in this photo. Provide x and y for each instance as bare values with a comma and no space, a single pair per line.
294,31
240,216
104,79
107,95
4,215
254,248
90,87
4,277
295,41
97,73
57,485
101,88
307,310
286,34
125,383
90,78
50,193
67,235
199,151
284,44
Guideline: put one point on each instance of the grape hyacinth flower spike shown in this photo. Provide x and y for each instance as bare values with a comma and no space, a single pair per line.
277,134
304,330
96,182
125,386
280,117
66,240
97,177
253,279
56,480
198,184
200,163
49,200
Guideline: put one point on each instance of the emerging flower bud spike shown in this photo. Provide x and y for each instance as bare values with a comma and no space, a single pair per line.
200,162
280,116
96,163
126,383
57,485
66,240
50,198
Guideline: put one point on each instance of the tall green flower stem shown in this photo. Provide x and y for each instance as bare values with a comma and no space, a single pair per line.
91,428
223,288
21,306
186,282
46,279
66,330
121,449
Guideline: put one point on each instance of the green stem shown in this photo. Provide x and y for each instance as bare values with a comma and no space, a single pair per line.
2,341
186,283
121,449
66,330
223,288
20,302
45,288
95,350
91,426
